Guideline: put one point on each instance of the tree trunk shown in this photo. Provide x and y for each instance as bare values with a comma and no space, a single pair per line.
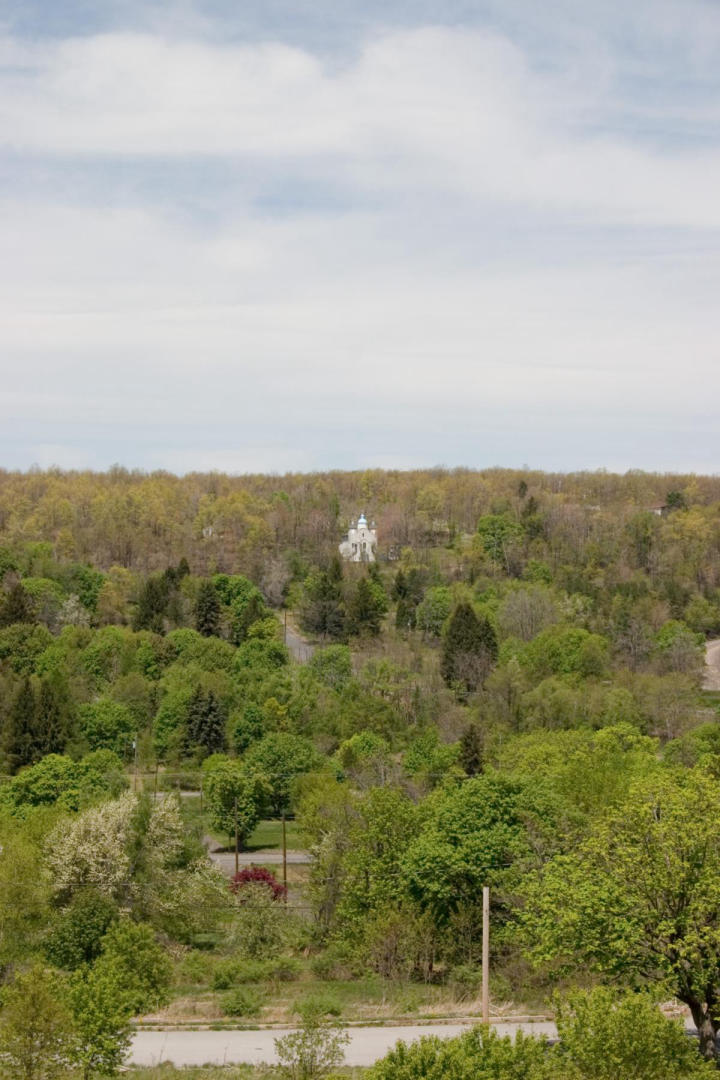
706,1029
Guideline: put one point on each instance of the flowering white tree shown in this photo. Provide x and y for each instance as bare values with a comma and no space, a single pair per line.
92,849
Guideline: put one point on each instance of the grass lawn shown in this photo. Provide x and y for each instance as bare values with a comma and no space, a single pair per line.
268,836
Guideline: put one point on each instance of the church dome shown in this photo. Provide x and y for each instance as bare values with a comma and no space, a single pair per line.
362,522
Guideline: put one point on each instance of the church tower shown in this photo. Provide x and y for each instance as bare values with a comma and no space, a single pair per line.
360,544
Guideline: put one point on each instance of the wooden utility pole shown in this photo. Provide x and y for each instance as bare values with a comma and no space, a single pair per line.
237,839
486,955
284,856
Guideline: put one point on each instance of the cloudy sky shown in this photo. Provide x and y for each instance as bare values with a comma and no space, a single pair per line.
300,234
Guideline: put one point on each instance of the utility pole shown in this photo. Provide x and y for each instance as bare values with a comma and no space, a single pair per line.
237,838
284,855
486,955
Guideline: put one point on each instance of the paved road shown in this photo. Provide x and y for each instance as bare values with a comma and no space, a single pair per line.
711,679
226,859
258,1047
300,649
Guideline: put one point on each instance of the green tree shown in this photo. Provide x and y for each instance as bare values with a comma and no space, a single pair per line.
365,609
206,722
234,795
434,609
207,610
469,649
107,725
280,757
132,959
54,714
474,834
76,938
152,604
499,535
20,737
605,1035
24,895
322,610
101,1014
36,1027
472,750
17,606
640,897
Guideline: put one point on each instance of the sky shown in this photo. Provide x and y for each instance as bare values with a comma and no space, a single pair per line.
291,235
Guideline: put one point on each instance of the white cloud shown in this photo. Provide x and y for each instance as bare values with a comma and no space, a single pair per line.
478,273
441,109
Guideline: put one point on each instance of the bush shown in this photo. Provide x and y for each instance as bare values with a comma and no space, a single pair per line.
258,875
332,964
260,925
313,1051
465,982
77,936
233,971
242,1001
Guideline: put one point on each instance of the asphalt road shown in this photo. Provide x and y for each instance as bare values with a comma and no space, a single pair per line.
367,1044
300,649
226,859
711,679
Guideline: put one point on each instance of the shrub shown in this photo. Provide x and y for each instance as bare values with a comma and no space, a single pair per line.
257,875
234,971
465,982
242,1001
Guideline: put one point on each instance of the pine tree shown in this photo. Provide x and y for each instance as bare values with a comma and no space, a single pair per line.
323,611
20,735
212,735
206,722
399,586
54,715
152,604
472,750
207,610
17,606
469,649
364,612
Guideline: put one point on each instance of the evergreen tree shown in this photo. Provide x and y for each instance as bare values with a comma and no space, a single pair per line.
20,736
17,606
399,587
322,610
207,610
206,722
405,614
152,604
469,649
472,750
54,715
365,609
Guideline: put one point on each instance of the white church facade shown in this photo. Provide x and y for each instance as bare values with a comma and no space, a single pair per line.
361,542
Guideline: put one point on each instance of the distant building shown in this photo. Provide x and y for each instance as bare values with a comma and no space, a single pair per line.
361,542
660,509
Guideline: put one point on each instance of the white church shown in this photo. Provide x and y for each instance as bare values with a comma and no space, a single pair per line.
361,541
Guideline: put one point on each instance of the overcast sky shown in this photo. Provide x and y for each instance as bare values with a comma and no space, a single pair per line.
303,234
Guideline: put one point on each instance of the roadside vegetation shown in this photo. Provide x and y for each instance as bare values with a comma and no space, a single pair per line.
511,696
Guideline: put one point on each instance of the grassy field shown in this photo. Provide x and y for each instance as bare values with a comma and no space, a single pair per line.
268,837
